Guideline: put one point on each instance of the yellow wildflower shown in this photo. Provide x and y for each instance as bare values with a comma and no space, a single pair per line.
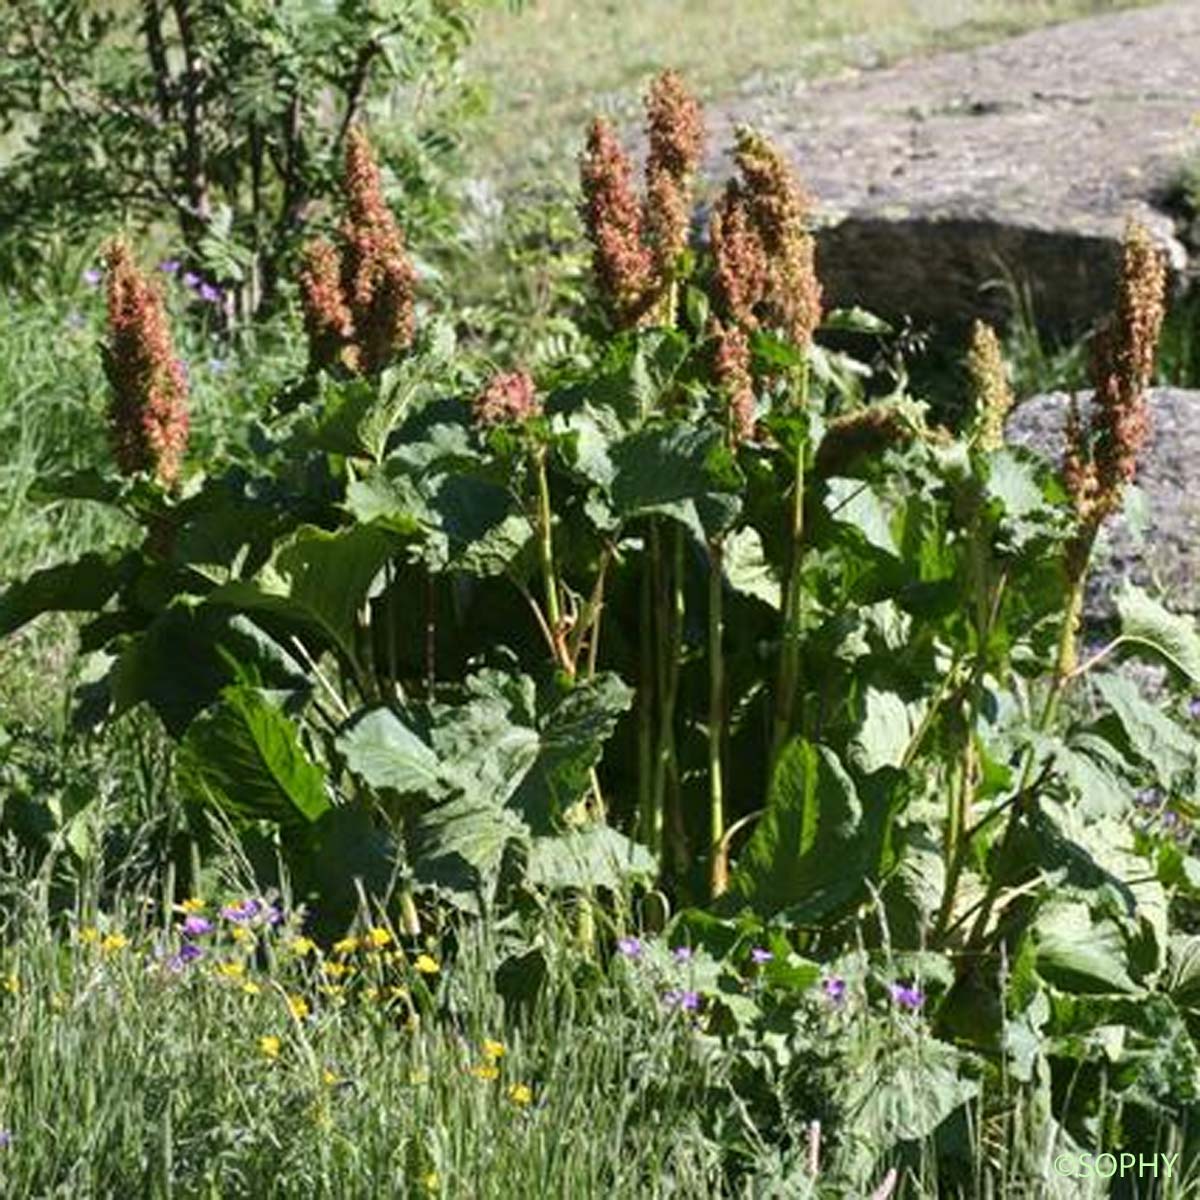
270,1045
113,942
298,1007
426,964
301,946
492,1050
332,989
418,1077
379,937
431,1182
521,1094
231,970
347,945
193,904
241,934
251,988
487,1073
336,970
330,1078
12,985
371,993
89,934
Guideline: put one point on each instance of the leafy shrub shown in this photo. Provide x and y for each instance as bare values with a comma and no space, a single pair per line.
832,651
226,119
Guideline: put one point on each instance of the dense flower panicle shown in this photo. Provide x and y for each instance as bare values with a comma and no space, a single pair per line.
740,267
377,278
990,392
675,127
327,317
508,398
359,297
731,366
1100,460
148,414
765,255
613,218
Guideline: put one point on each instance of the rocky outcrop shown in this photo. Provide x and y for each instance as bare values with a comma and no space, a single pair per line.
939,177
1160,548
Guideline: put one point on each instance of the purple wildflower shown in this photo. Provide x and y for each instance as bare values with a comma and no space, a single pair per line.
192,280
92,276
194,926
682,954
169,266
5,1138
275,915
242,912
683,999
906,997
835,989
1147,798
630,947
210,294
1194,708
189,952
759,956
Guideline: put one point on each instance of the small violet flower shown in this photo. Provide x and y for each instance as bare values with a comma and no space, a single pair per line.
682,954
682,999
194,926
210,294
242,912
906,997
1193,708
835,989
630,947
191,280
5,1138
92,276
169,266
759,956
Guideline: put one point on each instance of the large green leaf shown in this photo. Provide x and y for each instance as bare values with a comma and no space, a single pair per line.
1078,953
596,853
386,753
317,579
1153,736
679,470
356,417
885,732
1157,634
245,756
817,846
83,586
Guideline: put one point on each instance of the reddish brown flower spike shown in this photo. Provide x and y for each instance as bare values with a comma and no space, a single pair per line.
731,367
147,412
327,317
508,399
613,218
675,128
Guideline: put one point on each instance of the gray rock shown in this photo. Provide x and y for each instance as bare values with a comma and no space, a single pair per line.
937,177
1155,542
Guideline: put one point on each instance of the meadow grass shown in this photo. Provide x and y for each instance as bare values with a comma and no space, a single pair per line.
549,65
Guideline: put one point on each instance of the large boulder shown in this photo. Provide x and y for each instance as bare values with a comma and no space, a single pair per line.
938,177
1155,542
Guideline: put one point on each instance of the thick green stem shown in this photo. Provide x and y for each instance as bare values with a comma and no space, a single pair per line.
669,644
649,818
788,682
1078,558
546,559
718,878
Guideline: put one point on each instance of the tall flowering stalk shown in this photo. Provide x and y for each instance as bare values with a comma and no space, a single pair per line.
636,243
359,295
1100,459
147,411
636,250
765,276
990,392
